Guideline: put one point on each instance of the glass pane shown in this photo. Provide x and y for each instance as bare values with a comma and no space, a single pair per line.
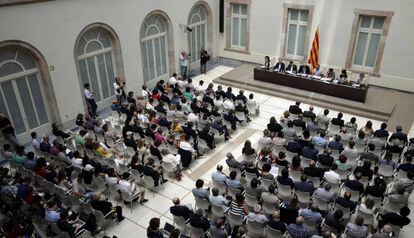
26,60
236,8
91,34
293,14
27,102
38,99
243,29
365,21
93,46
164,62
243,9
161,24
202,13
372,50
83,71
7,53
15,114
360,48
10,68
103,77
203,36
151,62
105,40
151,20
301,41
304,15
152,30
193,44
144,61
235,29
93,79
195,18
110,71
81,46
3,108
199,41
157,49
291,39
378,22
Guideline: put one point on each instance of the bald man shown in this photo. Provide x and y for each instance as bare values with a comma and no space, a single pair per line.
309,114
311,214
256,215
180,210
298,230
219,176
276,223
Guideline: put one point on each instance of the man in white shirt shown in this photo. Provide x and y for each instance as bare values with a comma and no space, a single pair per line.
228,104
192,117
35,142
332,176
167,157
265,140
256,215
199,88
173,79
184,64
323,118
89,95
129,187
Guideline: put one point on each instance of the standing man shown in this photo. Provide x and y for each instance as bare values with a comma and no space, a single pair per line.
184,64
89,95
8,130
204,57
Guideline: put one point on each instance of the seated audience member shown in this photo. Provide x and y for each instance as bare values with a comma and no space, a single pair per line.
337,121
199,191
399,134
309,114
294,146
251,168
313,171
296,164
304,186
365,169
254,189
408,165
310,152
266,172
399,196
367,129
45,145
276,223
59,133
153,230
289,212
377,189
218,230
335,221
257,216
289,131
125,185
284,179
219,176
311,215
198,220
298,230
346,202
281,160
325,194
233,183
72,228
150,169
387,161
354,184
357,230
322,118
350,151
265,140
180,210
19,157
99,203
342,164
237,206
397,219
273,126
218,200
325,159
320,139
407,183
385,232
351,126
270,197
233,163
336,144
332,175
382,132
299,122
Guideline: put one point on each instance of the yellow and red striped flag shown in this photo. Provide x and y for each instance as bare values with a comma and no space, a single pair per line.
314,54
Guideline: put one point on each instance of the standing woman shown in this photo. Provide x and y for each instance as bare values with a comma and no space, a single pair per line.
89,95
119,90
204,57
267,62
184,64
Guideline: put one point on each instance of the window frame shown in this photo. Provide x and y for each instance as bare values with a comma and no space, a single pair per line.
285,28
229,26
298,23
358,13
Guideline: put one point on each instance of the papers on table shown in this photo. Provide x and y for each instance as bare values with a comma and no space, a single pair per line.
316,77
325,79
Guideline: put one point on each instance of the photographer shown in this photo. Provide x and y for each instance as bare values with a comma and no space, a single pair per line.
204,58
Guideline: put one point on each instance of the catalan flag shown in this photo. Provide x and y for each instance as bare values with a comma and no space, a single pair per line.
314,54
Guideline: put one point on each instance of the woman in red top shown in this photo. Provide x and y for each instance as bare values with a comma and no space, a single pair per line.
40,167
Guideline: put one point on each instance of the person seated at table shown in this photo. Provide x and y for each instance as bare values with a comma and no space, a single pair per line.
360,80
291,67
280,66
304,69
330,74
317,71
342,77
267,62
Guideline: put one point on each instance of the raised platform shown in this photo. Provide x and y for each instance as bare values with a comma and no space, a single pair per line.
381,104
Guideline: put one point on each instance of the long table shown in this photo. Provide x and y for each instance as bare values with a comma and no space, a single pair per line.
313,85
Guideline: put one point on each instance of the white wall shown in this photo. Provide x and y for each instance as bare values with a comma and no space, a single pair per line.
52,28
335,18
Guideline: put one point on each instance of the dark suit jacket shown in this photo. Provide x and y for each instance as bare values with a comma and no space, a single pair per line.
395,219
399,135
295,109
282,67
337,122
277,225
149,171
294,147
199,222
309,114
309,153
130,143
370,156
314,172
300,123
304,69
355,185
325,159
345,203
305,186
66,226
292,67
285,181
181,211
103,206
336,224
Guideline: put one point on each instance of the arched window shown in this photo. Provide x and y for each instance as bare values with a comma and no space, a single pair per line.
154,47
22,96
197,21
95,54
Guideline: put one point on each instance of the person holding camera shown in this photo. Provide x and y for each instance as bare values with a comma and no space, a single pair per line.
184,64
89,95
119,90
204,58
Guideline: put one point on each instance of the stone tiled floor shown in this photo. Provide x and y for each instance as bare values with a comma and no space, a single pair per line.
158,206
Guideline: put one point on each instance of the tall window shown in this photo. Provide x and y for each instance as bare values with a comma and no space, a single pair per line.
238,25
296,33
369,34
21,90
197,37
154,47
95,60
